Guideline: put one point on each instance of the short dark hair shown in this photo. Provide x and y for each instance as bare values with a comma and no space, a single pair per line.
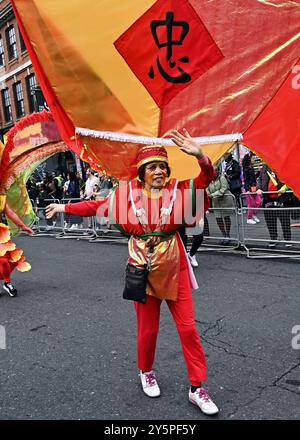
141,171
228,156
246,160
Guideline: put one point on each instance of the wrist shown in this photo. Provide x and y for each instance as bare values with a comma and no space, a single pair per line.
200,155
202,158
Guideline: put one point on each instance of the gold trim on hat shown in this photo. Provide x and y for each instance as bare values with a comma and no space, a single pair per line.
152,159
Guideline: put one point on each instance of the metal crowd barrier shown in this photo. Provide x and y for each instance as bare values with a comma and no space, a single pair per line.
75,226
275,232
221,228
43,226
271,228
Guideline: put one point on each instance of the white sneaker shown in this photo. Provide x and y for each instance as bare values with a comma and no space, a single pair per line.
256,219
250,221
201,398
149,384
74,226
193,260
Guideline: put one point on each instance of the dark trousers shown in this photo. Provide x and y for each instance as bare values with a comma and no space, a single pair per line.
197,239
237,192
284,215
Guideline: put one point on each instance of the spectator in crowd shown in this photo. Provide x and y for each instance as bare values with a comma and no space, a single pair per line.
43,201
197,232
81,183
73,193
65,186
91,181
32,189
48,179
233,175
45,178
105,185
55,190
96,194
253,199
223,203
275,201
58,178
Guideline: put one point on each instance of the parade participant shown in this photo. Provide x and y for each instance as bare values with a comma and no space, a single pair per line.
11,257
152,204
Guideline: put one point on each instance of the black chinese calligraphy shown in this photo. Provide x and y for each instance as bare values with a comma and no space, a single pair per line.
168,43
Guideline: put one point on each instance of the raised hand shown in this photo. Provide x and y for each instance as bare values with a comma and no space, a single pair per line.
186,143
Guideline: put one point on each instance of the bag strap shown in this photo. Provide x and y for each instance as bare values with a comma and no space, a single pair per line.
193,196
145,236
112,220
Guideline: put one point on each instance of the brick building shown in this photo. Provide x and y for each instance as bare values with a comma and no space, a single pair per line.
20,93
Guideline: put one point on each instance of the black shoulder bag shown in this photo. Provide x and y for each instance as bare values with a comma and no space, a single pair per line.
136,283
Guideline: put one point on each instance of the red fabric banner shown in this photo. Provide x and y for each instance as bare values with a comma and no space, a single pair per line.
64,124
275,134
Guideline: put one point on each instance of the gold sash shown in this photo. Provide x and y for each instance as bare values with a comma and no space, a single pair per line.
163,277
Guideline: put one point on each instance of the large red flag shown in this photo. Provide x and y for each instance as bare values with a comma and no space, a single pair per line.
275,134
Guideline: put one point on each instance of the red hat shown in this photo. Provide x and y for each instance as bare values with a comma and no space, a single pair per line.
152,153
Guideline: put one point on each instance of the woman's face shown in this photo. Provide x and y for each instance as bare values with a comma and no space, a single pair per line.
155,175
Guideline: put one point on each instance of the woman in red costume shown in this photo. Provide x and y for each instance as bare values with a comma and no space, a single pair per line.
150,209
11,257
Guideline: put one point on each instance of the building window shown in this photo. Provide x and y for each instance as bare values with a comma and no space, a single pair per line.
31,85
19,99
11,42
22,43
1,52
6,105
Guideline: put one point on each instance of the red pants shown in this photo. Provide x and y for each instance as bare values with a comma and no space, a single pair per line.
5,269
183,314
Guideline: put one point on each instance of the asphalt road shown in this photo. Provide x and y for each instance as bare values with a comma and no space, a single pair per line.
70,338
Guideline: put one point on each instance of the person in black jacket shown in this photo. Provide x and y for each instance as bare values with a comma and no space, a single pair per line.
233,175
73,193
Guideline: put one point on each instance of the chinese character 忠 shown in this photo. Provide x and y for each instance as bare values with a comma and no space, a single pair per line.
169,23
